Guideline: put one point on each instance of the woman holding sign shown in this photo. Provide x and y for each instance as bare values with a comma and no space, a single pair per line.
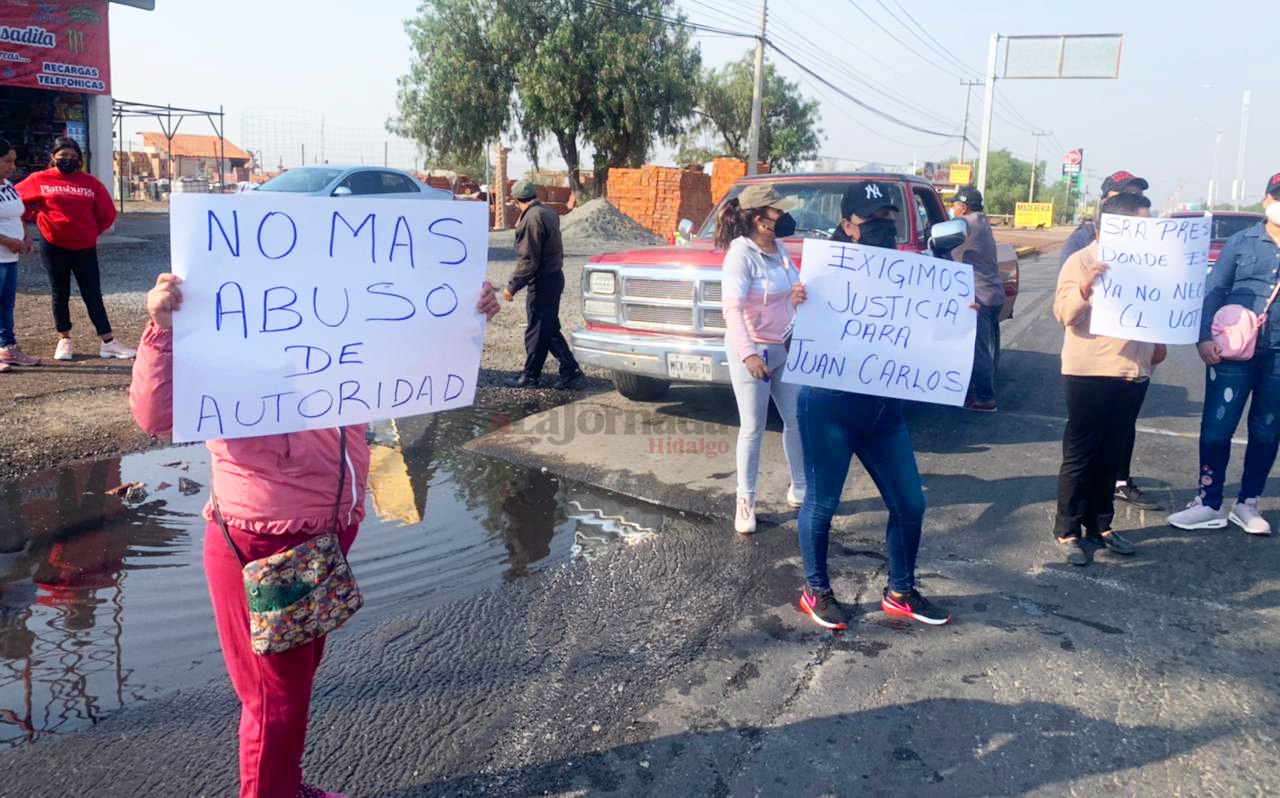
837,425
274,493
1105,382
756,280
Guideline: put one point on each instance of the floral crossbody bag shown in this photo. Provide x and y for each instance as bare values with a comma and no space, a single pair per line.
303,592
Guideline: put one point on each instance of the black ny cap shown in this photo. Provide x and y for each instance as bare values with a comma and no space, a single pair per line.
864,199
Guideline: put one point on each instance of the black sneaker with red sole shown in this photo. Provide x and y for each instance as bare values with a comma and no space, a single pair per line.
914,606
823,609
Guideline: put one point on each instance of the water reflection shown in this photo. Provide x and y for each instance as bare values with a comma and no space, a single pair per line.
102,602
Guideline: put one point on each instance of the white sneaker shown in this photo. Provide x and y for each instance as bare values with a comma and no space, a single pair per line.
63,352
1198,516
744,521
116,349
1246,516
794,499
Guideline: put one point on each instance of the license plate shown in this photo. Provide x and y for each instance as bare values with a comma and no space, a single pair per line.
689,367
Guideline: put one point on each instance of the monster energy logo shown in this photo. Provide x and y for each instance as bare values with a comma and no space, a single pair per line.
75,41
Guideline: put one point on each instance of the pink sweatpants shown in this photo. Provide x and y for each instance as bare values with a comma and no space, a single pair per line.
274,690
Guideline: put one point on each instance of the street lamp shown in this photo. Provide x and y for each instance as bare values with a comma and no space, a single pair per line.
1237,187
1213,173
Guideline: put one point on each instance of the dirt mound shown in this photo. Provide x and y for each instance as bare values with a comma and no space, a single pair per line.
599,220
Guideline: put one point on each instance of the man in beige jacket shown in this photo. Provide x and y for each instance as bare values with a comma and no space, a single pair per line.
1104,379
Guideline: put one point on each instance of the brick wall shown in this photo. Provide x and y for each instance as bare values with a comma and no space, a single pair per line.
727,171
658,197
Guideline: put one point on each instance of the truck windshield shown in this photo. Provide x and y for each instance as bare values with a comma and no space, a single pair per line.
819,212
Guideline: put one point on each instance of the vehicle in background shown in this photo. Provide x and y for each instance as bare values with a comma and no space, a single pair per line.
352,181
1224,225
653,316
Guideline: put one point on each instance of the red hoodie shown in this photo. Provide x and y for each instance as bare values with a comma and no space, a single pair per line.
70,210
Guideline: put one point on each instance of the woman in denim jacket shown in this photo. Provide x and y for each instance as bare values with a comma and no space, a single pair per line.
1245,274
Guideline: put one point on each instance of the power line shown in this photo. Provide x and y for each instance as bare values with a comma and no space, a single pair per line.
668,20
935,41
849,96
934,48
900,42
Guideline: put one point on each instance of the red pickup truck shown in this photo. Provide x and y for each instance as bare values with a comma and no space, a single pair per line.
653,317
1224,225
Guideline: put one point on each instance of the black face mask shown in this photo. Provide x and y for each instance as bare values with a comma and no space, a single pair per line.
878,233
784,226
67,165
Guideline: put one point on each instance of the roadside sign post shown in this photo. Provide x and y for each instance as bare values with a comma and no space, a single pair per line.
1053,57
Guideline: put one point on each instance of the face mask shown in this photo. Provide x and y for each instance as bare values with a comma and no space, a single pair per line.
878,233
951,213
1273,213
784,226
67,165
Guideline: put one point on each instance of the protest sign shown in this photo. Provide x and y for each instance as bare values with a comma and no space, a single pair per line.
1154,287
883,322
311,312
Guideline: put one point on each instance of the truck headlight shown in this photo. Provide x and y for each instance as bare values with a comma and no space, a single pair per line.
604,309
602,283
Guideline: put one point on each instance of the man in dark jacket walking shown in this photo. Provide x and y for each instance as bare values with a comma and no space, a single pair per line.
540,269
979,251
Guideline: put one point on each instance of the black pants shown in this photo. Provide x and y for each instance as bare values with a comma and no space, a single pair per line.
1126,462
542,335
61,263
1101,412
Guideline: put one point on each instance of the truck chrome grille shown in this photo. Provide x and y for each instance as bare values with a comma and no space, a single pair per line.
659,316
643,288
712,320
710,292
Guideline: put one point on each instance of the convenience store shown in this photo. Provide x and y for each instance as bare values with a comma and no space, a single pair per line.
55,80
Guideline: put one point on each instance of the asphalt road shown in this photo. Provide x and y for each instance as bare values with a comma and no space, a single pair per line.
679,666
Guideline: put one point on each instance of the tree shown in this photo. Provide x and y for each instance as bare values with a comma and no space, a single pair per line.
788,126
578,72
457,95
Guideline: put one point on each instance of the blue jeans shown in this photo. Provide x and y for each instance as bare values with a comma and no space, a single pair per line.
1228,386
986,355
8,298
835,426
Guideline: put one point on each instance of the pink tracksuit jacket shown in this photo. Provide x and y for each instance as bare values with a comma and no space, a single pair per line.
273,484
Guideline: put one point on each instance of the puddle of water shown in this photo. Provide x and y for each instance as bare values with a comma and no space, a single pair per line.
103,601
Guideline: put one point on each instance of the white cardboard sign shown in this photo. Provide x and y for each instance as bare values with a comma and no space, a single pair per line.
1154,288
311,312
883,322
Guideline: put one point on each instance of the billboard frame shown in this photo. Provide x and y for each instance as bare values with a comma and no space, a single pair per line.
1062,48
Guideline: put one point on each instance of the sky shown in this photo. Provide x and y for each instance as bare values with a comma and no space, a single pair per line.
1158,120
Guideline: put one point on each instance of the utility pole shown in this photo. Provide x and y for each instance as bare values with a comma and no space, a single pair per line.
757,94
1238,189
968,95
990,101
1035,160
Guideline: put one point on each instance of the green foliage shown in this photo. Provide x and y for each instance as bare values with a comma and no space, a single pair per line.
569,70
456,96
789,131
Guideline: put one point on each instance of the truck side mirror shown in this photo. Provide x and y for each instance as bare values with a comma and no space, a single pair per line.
685,227
946,236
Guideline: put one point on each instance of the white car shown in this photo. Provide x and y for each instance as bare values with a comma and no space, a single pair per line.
353,181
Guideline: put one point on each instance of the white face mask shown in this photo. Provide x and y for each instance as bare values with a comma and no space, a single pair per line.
1273,213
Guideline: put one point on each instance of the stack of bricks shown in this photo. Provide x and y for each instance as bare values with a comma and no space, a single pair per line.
658,197
727,171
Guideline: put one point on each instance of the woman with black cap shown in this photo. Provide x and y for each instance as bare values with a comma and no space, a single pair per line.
72,209
837,425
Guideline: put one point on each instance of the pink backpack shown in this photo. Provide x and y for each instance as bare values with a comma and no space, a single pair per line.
1235,328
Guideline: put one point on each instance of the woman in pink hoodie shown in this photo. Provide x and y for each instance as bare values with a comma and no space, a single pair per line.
756,282
274,492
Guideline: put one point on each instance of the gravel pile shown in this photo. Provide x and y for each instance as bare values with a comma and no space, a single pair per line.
598,219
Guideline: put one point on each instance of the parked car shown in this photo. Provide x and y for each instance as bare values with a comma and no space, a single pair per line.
652,316
1224,225
360,181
